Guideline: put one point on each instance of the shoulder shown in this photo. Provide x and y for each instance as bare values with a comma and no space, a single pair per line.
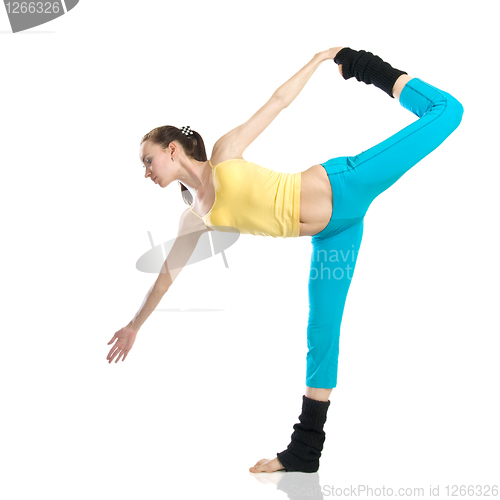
189,222
223,150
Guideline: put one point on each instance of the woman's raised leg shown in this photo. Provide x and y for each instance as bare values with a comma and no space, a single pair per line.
373,171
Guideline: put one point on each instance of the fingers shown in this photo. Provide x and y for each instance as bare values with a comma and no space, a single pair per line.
113,349
120,349
118,358
114,356
112,353
117,351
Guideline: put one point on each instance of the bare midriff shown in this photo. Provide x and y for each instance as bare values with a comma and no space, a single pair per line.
316,200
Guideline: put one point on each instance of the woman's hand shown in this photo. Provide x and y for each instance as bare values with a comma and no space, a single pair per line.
330,54
125,340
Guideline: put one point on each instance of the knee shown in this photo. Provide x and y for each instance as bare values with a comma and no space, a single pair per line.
453,112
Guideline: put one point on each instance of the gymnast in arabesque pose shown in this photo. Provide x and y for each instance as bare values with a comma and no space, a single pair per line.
327,201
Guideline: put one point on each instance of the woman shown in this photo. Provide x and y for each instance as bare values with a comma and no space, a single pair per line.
328,202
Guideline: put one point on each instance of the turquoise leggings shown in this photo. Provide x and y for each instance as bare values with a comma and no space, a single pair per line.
356,181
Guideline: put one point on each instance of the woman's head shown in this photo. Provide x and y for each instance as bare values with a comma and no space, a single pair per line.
158,147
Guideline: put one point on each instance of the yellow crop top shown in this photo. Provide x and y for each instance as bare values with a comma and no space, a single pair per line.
254,200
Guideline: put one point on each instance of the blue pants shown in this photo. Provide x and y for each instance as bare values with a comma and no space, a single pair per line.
356,181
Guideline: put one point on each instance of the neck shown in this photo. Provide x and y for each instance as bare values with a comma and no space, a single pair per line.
195,175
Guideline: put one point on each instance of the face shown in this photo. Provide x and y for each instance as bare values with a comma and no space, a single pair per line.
157,163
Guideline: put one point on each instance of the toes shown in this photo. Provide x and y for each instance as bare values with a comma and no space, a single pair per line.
261,468
266,465
258,466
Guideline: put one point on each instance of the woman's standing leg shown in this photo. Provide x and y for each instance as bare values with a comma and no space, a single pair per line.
333,262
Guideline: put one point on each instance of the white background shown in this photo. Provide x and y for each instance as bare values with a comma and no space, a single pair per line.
203,396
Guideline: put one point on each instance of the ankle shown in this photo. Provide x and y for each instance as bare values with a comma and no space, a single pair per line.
304,450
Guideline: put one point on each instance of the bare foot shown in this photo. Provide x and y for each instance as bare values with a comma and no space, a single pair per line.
266,465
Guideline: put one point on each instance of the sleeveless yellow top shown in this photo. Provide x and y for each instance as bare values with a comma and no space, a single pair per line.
254,200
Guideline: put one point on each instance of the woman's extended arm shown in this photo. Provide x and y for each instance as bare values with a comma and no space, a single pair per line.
237,140
190,230
291,89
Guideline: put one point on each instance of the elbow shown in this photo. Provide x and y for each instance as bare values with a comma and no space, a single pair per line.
281,100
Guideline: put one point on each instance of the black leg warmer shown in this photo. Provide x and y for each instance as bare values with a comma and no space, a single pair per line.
368,68
303,452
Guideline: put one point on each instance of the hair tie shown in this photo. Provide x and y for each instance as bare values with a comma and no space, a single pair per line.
187,130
